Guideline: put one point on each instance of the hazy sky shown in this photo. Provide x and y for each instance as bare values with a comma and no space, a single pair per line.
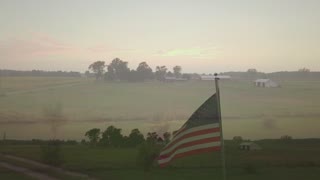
200,35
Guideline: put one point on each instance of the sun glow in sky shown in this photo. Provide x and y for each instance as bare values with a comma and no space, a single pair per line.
201,36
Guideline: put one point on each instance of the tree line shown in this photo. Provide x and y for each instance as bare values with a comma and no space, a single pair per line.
40,73
118,70
252,74
112,137
148,147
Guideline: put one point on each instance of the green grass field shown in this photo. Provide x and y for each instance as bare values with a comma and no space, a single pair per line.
154,106
8,174
296,159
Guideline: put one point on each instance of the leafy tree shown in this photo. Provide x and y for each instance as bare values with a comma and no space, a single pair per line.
98,68
40,73
177,71
126,141
112,137
252,74
286,137
304,70
135,138
144,71
135,76
93,135
152,137
237,138
252,70
186,76
161,72
110,74
170,74
119,69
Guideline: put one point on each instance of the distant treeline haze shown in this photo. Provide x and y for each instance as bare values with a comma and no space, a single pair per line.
118,70
40,73
112,137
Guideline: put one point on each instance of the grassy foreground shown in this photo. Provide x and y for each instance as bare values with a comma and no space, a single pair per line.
8,174
296,159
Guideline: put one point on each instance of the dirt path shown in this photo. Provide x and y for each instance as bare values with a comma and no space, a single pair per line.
26,171
45,166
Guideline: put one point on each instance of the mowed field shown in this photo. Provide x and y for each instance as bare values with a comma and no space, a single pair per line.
247,111
253,113
8,174
278,160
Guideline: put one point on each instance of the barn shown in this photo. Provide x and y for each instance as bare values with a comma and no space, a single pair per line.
212,78
174,79
249,146
265,83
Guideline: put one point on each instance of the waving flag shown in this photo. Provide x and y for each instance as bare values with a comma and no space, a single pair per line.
201,133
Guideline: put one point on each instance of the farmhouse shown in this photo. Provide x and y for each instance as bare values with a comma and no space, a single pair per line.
174,79
211,77
265,83
249,146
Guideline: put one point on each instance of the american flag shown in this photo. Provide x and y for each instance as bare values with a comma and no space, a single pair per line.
201,133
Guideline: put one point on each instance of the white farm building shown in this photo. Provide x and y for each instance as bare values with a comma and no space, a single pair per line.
174,79
265,83
212,78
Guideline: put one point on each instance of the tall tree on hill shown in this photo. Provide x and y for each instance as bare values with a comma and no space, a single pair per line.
120,69
135,138
170,74
161,72
93,135
252,70
186,76
110,74
144,71
98,68
152,137
112,137
177,71
134,76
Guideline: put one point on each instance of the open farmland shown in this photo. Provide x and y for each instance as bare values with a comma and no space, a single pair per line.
295,159
153,106
8,174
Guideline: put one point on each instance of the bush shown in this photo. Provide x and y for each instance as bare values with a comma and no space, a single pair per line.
148,152
286,138
237,138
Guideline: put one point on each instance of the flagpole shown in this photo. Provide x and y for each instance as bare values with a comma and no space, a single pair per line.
223,162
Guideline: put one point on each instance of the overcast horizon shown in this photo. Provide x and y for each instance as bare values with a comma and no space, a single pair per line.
201,36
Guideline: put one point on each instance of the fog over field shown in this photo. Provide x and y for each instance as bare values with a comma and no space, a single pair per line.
138,45
153,90
82,103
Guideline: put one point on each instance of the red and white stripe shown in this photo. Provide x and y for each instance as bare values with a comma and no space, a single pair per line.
205,138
